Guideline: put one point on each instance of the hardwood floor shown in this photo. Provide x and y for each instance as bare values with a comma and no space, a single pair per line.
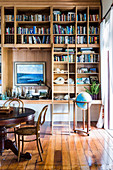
65,152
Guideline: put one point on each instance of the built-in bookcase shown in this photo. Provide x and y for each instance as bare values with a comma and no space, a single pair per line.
72,33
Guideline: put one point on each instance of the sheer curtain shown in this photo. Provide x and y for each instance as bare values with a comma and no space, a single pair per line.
106,49
111,70
104,73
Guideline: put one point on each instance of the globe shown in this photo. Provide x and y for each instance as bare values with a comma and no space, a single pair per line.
83,97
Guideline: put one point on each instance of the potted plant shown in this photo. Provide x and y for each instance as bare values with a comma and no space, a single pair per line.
94,91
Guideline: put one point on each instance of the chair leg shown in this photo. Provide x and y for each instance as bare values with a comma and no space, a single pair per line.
15,136
22,144
18,148
40,145
39,150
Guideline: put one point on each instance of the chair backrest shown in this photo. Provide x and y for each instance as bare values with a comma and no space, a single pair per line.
39,121
13,100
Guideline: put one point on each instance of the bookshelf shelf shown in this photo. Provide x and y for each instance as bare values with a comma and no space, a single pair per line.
87,63
63,22
63,34
87,73
32,22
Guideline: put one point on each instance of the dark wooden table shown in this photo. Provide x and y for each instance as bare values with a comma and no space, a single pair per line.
19,115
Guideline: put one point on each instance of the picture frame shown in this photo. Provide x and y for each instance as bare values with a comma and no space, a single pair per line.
84,70
94,78
86,80
28,73
92,70
83,80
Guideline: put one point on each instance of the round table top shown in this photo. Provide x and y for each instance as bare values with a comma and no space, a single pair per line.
18,115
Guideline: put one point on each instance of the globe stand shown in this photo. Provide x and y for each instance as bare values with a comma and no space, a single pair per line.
88,118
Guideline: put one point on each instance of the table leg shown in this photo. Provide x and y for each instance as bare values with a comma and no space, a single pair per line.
83,112
8,144
73,116
88,118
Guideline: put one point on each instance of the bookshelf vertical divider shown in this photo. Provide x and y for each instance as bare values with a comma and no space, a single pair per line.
15,28
88,25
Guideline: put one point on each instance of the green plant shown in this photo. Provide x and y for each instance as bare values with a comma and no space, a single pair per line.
95,88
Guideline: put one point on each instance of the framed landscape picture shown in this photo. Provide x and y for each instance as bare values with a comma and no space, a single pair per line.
29,73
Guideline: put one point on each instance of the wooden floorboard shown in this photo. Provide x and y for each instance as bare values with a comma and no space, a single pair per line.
76,151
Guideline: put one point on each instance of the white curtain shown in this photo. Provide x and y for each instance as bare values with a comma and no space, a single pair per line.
111,70
104,73
106,49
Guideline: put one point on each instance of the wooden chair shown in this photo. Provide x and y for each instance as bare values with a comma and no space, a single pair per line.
15,126
33,130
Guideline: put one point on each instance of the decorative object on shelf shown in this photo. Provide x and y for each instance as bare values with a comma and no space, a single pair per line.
83,80
83,97
71,81
94,91
59,80
47,93
66,97
57,70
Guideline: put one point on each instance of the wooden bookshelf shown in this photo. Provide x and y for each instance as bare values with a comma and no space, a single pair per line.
85,11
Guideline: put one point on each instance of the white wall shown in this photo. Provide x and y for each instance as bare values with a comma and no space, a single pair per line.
106,5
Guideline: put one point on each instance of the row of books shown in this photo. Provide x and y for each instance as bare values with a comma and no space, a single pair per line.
64,58
94,17
64,40
33,40
88,58
93,39
10,30
81,30
36,17
81,17
58,29
9,39
61,16
9,18
81,39
93,30
33,30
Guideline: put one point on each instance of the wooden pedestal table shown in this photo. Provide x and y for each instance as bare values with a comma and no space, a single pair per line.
19,115
88,118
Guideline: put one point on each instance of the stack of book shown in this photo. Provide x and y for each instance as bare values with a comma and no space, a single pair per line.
33,30
9,18
93,30
81,39
88,58
93,39
35,40
94,17
36,17
64,40
58,49
58,29
81,17
60,16
9,39
81,30
10,30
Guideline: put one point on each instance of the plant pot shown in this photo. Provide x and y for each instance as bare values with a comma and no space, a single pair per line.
94,97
